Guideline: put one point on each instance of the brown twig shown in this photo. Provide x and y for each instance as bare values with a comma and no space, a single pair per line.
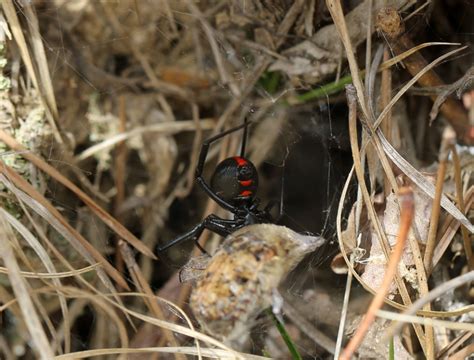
462,207
352,103
464,353
454,344
447,142
120,166
450,228
390,23
386,93
406,217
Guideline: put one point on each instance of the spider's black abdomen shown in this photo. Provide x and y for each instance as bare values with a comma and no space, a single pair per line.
235,179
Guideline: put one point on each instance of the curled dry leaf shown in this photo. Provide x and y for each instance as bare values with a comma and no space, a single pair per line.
375,269
241,278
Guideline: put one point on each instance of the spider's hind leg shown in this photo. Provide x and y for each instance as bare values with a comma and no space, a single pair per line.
213,223
194,234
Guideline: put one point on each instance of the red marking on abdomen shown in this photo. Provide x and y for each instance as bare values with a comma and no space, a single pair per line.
246,182
246,193
240,161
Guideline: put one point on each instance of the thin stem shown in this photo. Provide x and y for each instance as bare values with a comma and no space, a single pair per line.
342,322
462,207
448,138
406,217
285,336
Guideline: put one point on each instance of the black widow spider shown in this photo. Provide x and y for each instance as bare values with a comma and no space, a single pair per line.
233,187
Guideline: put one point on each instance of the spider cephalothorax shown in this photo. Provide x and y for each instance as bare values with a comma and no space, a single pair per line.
235,180
233,187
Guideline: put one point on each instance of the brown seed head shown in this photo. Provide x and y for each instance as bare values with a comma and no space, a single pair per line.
390,22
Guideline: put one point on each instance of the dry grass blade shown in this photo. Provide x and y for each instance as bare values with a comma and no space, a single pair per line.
53,275
425,321
396,59
458,312
421,182
336,12
340,333
40,58
448,141
78,293
352,103
432,295
337,15
406,218
16,28
464,353
406,167
48,264
452,226
20,288
412,81
462,206
207,352
28,194
166,128
101,213
144,287
454,344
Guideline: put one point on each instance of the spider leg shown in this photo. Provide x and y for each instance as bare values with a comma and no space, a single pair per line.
244,138
194,233
213,223
272,203
267,210
200,166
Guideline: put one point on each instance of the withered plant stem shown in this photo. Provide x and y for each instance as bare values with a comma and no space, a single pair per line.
385,97
429,297
407,210
391,24
20,288
142,285
352,104
454,344
460,199
447,142
120,167
27,188
109,220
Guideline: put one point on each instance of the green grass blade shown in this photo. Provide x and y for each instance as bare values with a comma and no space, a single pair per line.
285,336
